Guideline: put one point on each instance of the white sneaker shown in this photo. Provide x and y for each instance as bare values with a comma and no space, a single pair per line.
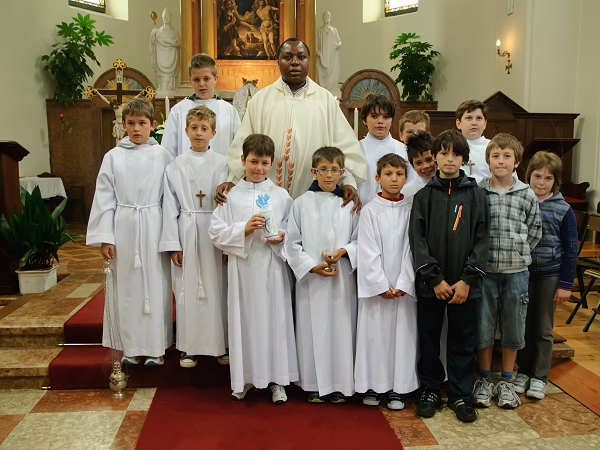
521,382
507,397
537,389
371,398
482,393
240,395
131,360
279,396
395,401
150,361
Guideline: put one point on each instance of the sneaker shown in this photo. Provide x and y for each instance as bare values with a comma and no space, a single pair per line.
131,360
223,359
429,402
537,389
482,393
313,397
371,398
338,397
521,383
241,395
151,362
188,361
507,397
463,410
395,401
279,396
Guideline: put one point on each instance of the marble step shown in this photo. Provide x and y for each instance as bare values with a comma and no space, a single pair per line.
25,368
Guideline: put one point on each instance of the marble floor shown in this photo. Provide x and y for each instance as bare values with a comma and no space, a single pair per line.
40,419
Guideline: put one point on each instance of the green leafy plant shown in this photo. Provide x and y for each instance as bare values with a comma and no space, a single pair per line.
68,61
415,66
34,235
158,132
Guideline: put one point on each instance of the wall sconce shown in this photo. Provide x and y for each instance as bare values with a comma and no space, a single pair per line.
504,53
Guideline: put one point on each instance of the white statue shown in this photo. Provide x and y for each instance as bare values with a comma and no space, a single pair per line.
328,59
164,48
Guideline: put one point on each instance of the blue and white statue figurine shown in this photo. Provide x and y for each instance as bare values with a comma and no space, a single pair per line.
270,229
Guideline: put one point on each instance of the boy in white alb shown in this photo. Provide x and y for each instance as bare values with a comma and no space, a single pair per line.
386,336
321,250
202,70
422,161
471,120
125,222
377,114
190,182
262,348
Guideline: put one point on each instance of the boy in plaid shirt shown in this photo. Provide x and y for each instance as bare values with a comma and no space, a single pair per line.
515,229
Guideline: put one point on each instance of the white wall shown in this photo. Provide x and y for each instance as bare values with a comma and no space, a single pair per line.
28,32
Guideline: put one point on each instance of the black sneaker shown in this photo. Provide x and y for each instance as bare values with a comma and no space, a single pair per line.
464,410
429,402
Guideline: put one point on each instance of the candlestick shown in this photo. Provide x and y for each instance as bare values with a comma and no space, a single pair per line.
356,122
167,108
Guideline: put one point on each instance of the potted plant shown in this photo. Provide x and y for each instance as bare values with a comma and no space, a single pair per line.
68,59
414,65
33,237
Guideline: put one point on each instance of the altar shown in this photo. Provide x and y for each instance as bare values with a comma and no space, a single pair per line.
49,186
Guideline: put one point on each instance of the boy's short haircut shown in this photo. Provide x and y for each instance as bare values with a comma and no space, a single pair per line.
549,160
502,141
451,139
202,112
415,116
201,61
260,144
470,106
418,144
377,101
330,154
138,107
392,159
292,39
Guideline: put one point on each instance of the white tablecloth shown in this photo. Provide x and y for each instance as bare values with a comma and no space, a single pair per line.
49,187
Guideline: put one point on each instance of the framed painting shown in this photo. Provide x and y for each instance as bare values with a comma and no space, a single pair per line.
248,29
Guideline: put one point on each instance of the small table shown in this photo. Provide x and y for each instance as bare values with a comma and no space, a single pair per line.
49,187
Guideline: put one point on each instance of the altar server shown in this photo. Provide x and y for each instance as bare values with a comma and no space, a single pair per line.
321,250
190,182
262,349
386,342
125,222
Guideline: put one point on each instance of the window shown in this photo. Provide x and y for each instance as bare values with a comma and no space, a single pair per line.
396,7
93,5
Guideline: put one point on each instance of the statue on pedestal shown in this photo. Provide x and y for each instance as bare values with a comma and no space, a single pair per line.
165,43
328,59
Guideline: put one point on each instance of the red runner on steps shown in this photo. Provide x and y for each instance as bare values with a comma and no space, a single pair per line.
207,418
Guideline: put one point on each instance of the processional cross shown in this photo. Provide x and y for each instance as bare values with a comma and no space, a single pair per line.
119,92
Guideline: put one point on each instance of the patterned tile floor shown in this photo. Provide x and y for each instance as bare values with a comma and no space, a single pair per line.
93,419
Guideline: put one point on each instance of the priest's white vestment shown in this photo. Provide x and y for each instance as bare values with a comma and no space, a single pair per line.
262,347
387,338
299,124
325,306
127,213
228,121
201,302
373,149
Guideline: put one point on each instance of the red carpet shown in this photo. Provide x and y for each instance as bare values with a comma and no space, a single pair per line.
207,418
85,326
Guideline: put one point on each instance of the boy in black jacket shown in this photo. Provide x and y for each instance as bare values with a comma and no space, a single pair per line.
449,232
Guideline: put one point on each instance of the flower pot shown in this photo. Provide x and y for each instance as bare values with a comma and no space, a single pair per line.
36,281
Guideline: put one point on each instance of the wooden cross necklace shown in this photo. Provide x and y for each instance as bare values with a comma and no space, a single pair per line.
200,195
470,164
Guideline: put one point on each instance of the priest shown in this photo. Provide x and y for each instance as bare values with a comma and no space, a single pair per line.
300,116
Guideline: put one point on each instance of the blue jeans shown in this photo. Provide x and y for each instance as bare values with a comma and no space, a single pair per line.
504,302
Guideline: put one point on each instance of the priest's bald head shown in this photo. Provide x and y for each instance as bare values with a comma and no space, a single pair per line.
293,62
